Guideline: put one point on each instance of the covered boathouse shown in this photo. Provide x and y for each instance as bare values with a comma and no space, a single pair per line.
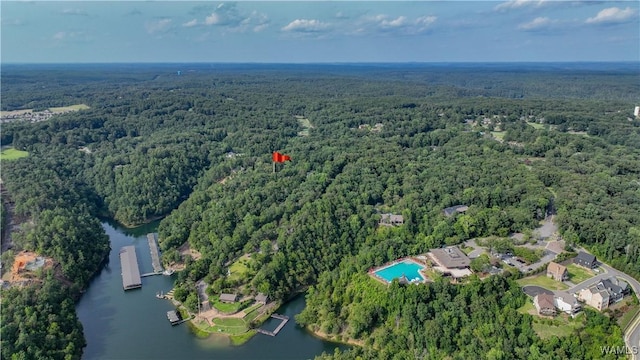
130,270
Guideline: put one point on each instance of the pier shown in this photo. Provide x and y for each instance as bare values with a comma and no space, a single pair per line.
275,332
130,269
155,254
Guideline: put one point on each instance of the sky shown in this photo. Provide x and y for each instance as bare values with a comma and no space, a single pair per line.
318,31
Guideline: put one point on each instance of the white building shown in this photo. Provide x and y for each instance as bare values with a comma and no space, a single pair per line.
636,111
566,303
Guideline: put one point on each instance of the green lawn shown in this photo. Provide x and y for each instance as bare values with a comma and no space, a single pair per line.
227,308
239,268
228,322
578,274
536,125
242,338
527,308
544,281
625,319
559,327
69,108
12,154
498,135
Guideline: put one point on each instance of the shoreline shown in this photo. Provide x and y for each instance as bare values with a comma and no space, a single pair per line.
324,336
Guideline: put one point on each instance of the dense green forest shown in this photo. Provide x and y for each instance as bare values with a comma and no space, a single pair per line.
511,144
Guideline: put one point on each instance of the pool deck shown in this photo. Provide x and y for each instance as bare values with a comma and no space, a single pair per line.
373,270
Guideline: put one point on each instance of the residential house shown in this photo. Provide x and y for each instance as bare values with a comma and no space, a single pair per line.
586,260
544,304
228,298
615,291
262,298
391,220
595,296
455,209
566,303
557,272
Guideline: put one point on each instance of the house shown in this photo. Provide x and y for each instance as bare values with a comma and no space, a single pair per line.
566,303
586,260
262,298
557,272
391,220
228,298
615,291
595,296
544,304
455,209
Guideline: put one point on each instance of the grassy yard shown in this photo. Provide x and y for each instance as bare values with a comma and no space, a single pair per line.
239,268
536,125
69,108
578,274
498,135
543,281
228,308
10,153
242,338
558,326
527,308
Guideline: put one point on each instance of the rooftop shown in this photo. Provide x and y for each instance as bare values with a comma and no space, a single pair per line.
130,270
450,257
453,209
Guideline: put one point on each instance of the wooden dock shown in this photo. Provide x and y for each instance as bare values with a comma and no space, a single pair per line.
275,332
155,254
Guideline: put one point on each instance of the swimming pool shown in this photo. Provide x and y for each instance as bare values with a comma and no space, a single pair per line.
407,268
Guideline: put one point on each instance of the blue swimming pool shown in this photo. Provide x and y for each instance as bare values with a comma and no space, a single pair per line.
395,271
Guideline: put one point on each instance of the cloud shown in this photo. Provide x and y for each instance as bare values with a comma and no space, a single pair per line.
191,23
75,12
383,23
235,20
306,26
225,14
612,15
516,4
157,26
539,23
67,36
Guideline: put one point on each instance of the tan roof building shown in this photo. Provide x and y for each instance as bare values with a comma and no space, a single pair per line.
557,272
544,304
450,257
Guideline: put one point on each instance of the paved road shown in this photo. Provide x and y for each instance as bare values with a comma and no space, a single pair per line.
632,338
548,257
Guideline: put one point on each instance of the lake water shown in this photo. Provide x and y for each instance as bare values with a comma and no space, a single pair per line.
133,324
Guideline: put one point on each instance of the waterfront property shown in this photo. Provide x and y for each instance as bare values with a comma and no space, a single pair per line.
130,270
173,316
399,269
283,321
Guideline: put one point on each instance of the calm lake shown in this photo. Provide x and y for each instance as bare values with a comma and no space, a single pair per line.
133,324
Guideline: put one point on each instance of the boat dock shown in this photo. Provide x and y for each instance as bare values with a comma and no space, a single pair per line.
130,269
155,253
275,332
